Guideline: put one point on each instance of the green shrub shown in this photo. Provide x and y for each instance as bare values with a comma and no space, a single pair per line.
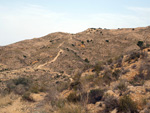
95,95
86,60
107,40
140,44
82,42
126,104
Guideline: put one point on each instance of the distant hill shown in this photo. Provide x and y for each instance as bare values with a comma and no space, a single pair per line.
70,52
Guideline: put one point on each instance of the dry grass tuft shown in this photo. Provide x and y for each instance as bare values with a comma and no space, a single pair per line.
5,101
71,108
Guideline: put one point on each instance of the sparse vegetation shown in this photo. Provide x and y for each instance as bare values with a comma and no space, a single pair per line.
90,75
6,100
71,108
134,56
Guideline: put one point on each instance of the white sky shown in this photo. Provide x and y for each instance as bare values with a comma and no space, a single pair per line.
24,19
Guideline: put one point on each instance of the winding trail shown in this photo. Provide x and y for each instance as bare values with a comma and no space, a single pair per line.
58,54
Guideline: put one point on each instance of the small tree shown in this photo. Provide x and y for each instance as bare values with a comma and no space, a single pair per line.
140,44
86,60
82,42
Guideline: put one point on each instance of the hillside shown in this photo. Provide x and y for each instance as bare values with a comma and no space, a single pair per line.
95,71
72,49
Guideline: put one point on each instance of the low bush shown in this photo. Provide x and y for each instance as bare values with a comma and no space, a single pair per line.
26,96
89,78
73,97
110,61
133,56
62,86
18,85
122,86
76,85
126,104
86,60
111,103
107,78
82,42
95,95
116,74
98,67
6,100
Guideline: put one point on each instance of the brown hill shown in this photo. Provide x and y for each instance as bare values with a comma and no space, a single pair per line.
97,70
63,52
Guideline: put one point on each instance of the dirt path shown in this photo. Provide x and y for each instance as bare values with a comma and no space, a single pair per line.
58,54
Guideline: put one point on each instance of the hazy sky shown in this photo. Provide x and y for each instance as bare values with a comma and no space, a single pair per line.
26,19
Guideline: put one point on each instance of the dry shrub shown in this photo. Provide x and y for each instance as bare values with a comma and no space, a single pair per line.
126,104
26,96
116,74
76,85
111,103
107,78
19,85
6,100
122,86
62,86
98,67
133,56
71,108
73,97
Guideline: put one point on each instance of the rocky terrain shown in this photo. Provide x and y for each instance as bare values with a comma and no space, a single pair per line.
94,71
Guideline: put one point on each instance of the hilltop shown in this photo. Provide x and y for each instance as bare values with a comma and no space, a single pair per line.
86,71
